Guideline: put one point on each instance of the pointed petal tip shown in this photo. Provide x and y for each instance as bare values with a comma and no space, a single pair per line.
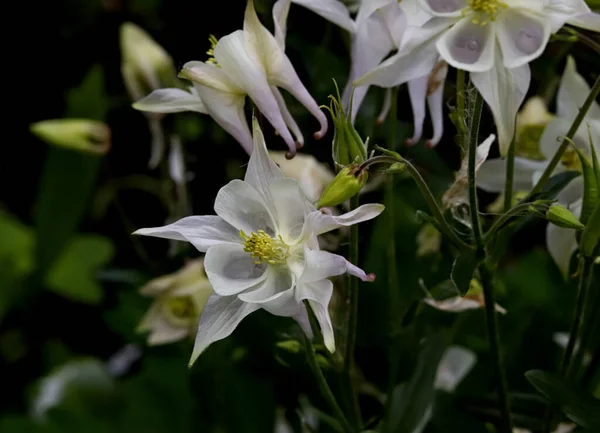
430,144
370,278
409,142
290,154
318,135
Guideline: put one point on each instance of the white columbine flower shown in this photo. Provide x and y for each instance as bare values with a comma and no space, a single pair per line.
262,250
247,62
493,39
572,93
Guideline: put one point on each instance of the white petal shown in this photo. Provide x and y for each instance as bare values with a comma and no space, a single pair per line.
443,8
220,317
287,117
281,10
416,57
263,48
290,208
240,205
587,20
319,294
385,107
558,127
201,231
176,164
558,12
435,102
319,223
571,195
170,101
522,36
331,10
417,90
573,92
504,91
492,174
278,280
209,75
231,270
453,305
233,57
158,142
468,46
561,244
454,366
320,265
283,304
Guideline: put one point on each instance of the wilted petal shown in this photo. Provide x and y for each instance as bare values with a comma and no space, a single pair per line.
504,91
573,92
522,37
233,57
468,46
319,223
319,294
231,270
220,317
170,101
290,208
201,231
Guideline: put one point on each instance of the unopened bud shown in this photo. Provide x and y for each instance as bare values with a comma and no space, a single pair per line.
348,182
85,135
562,217
292,346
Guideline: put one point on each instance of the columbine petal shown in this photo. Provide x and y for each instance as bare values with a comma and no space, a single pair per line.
220,317
454,366
491,176
320,265
504,91
290,208
435,102
332,10
587,20
468,46
558,12
385,106
558,128
262,47
417,90
319,294
287,117
572,93
522,36
240,205
201,231
319,223
416,57
233,57
170,101
443,8
223,99
561,244
231,270
278,280
281,10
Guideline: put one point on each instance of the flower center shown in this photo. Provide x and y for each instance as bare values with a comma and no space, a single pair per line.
484,10
211,51
265,249
180,308
528,142
571,160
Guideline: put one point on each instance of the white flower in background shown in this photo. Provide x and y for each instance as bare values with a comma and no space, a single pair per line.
247,62
572,92
473,300
494,40
312,175
429,240
178,301
262,250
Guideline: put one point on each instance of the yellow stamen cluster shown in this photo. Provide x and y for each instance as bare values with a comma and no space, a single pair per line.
484,10
211,52
265,249
181,307
528,142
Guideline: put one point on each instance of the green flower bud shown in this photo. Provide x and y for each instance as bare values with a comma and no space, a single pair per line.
348,182
562,217
292,346
85,135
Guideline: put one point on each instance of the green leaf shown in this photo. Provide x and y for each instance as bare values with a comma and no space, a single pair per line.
72,276
462,271
591,191
16,245
575,403
412,401
89,99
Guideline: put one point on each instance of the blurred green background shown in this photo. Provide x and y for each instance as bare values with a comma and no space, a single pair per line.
70,359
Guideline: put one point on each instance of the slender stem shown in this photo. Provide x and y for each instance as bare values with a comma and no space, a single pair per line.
472,149
510,175
585,268
352,323
491,319
324,387
487,277
394,299
503,219
566,141
460,100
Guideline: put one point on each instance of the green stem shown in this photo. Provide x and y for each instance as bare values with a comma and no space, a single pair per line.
352,323
460,100
472,149
324,387
566,141
503,219
491,320
487,277
394,300
510,176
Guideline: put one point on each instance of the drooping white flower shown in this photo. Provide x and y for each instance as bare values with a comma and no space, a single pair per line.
262,250
573,90
493,39
248,62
